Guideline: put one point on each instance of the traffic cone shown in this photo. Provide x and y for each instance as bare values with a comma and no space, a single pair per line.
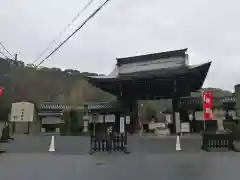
52,145
178,145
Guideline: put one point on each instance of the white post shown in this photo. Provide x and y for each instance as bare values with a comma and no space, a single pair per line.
178,123
42,130
122,124
85,128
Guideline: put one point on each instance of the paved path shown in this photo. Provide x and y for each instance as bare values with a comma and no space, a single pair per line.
26,144
80,145
179,166
28,158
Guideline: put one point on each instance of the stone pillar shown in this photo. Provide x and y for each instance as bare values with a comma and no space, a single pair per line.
43,130
219,115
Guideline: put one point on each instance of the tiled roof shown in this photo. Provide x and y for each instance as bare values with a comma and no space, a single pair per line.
153,56
198,100
103,106
229,99
113,105
50,113
53,106
191,101
165,74
91,106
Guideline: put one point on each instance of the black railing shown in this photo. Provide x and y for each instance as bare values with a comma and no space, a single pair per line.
117,142
217,140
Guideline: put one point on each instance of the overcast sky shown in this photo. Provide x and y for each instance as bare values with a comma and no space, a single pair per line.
208,28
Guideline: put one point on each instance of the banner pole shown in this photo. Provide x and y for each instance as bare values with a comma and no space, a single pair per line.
204,120
204,125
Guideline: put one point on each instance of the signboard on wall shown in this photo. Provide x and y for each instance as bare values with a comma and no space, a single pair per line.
110,118
199,115
127,119
160,125
51,120
207,105
100,118
185,127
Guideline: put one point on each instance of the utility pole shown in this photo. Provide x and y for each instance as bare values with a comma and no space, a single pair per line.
12,71
14,63
16,56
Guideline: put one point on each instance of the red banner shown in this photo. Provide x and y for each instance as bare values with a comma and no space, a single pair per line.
207,105
1,92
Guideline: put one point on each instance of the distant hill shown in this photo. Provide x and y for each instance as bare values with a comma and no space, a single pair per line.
25,83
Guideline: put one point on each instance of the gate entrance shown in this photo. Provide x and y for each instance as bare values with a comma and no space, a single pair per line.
108,135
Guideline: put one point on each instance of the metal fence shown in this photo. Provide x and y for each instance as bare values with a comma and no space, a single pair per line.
118,143
212,141
107,137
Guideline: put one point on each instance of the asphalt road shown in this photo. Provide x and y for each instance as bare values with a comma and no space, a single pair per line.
178,166
80,145
27,158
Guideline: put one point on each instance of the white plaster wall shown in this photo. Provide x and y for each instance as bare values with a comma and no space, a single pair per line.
51,120
152,65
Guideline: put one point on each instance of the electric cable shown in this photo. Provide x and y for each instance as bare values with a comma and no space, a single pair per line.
84,22
64,30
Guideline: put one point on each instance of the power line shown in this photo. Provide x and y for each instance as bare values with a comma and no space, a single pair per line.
84,22
6,49
73,20
3,55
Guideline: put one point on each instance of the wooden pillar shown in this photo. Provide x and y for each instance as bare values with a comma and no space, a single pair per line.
194,121
14,127
129,107
128,104
175,104
174,110
117,122
28,127
134,118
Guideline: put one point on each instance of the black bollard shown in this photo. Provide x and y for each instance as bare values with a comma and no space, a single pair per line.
5,134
